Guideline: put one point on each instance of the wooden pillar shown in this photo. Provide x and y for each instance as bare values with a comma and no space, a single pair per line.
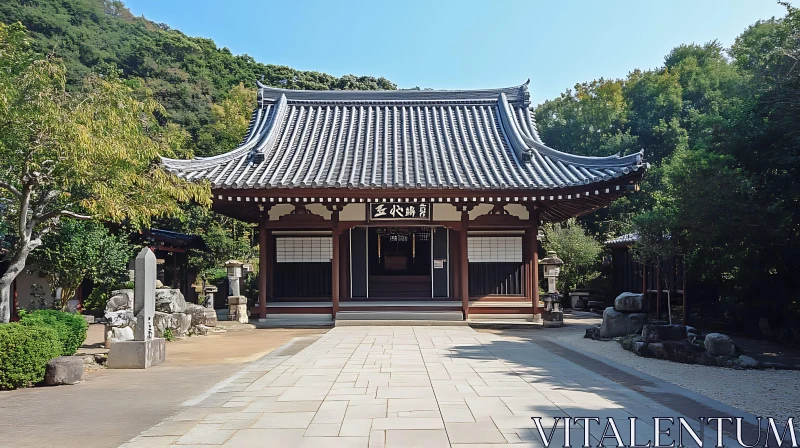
343,284
532,260
335,261
658,292
263,269
455,256
464,261
685,303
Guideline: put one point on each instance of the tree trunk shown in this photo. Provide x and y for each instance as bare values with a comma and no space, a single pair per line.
5,303
14,268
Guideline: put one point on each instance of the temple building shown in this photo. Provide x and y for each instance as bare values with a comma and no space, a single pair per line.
415,201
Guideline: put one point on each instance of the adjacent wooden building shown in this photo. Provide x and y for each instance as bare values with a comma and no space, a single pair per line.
402,200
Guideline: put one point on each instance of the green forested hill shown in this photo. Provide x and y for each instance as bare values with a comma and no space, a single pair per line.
186,74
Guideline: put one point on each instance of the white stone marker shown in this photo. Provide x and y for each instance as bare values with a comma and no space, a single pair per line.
145,350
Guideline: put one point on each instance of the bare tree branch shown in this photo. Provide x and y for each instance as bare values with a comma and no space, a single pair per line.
60,213
10,188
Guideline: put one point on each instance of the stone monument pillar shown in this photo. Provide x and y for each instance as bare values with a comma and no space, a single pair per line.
237,303
145,350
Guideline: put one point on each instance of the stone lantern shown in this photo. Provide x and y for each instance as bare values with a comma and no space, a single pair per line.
209,291
237,303
553,315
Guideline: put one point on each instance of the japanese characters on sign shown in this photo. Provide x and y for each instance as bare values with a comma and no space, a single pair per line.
399,210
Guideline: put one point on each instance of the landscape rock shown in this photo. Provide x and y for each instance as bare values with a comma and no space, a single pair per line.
659,333
201,315
170,301
184,323
122,318
592,332
63,370
616,323
629,302
117,334
121,299
677,351
720,344
744,361
177,323
202,330
640,348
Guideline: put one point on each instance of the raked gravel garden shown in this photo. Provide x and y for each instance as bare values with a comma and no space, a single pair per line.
767,393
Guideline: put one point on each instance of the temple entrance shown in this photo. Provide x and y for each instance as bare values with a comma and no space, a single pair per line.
400,262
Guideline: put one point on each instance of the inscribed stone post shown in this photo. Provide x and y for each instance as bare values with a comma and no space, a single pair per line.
144,296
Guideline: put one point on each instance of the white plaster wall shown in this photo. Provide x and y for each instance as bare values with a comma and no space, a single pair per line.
319,209
480,209
354,212
518,210
279,210
446,212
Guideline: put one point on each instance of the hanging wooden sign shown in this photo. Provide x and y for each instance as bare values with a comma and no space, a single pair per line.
387,211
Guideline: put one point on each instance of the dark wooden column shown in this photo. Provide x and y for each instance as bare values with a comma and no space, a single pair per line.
658,293
335,261
263,268
464,261
532,259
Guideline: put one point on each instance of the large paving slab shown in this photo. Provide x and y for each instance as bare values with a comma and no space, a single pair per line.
413,386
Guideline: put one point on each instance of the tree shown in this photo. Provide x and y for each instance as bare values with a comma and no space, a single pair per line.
78,250
231,118
579,251
91,152
657,244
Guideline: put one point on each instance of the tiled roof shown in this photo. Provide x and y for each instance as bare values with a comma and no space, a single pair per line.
623,240
406,139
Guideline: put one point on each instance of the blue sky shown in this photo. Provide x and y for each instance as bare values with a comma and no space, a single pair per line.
454,44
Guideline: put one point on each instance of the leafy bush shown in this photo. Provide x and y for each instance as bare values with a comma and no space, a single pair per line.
70,328
24,353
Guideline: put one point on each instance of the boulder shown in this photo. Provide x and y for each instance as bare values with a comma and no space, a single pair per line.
629,302
616,323
122,318
177,323
659,333
640,348
677,351
63,370
183,324
202,330
720,344
592,332
201,315
744,362
121,299
117,334
170,301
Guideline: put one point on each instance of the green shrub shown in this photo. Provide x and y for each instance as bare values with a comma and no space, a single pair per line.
24,353
70,328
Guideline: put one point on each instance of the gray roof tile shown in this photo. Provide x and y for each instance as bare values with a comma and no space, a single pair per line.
412,139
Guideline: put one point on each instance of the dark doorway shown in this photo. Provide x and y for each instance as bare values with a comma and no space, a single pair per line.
400,262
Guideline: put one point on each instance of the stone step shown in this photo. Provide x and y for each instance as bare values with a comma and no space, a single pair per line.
449,316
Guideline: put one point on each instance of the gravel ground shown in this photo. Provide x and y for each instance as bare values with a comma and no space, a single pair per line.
767,393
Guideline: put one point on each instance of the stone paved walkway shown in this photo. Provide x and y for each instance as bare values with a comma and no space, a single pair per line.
406,387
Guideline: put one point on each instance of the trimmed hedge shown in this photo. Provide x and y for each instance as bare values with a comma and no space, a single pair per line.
24,353
71,328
